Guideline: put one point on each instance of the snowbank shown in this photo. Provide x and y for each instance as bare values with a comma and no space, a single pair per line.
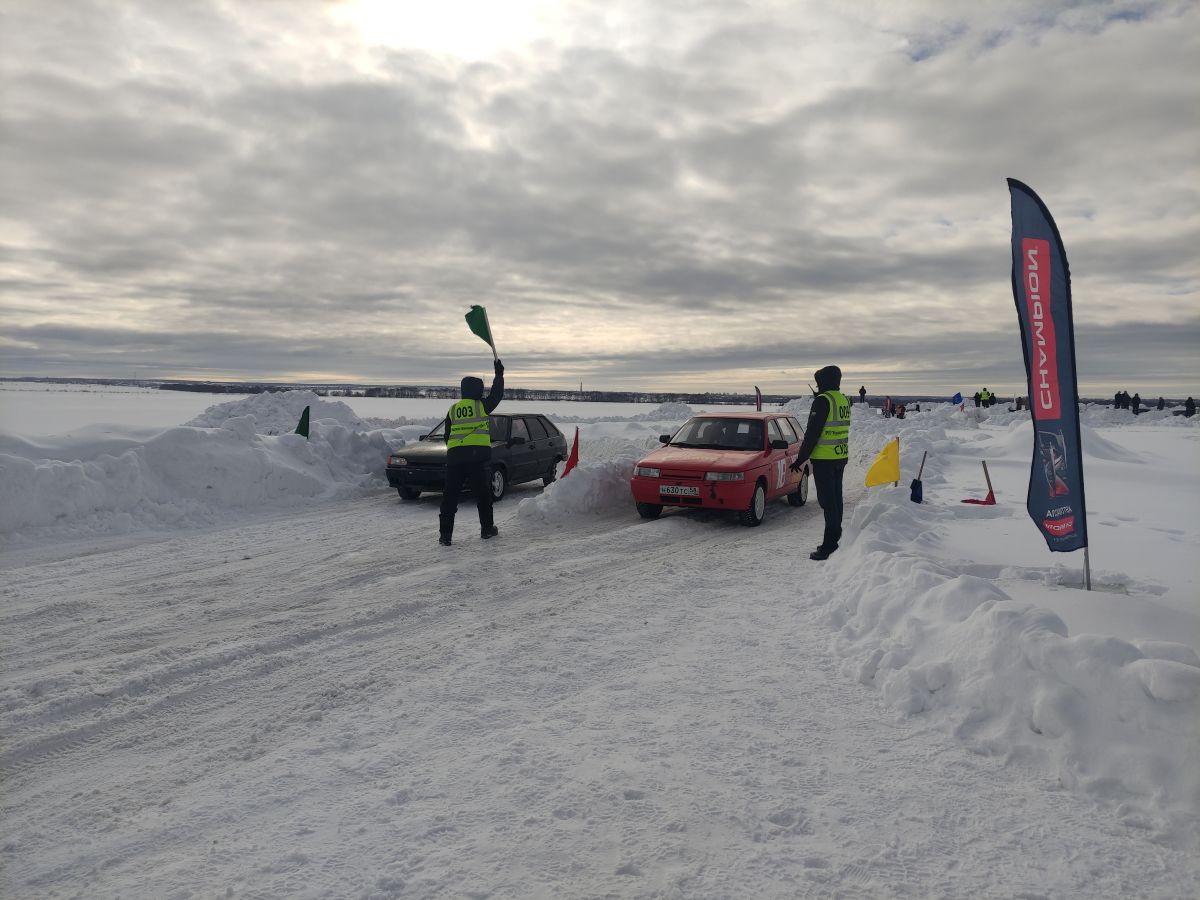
189,476
598,486
927,606
1102,715
279,412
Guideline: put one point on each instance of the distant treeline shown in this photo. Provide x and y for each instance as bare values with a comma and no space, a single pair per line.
445,392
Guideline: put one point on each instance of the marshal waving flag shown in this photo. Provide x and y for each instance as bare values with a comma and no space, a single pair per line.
1041,283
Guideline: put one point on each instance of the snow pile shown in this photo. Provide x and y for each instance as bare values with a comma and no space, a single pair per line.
933,606
1097,415
666,412
188,476
421,424
279,412
598,486
801,406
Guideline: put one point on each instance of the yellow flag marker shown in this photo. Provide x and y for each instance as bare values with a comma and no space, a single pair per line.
887,464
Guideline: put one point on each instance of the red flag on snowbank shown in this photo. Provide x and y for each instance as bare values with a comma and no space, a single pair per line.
757,398
573,456
990,499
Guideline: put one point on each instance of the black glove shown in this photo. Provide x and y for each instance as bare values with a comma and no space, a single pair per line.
499,367
798,465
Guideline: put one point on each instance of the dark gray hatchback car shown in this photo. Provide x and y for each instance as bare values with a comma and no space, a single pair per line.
525,447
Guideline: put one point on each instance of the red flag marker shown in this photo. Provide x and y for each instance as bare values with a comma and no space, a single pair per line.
573,456
990,499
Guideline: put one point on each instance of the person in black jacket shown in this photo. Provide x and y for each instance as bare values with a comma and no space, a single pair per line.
830,412
468,452
1189,408
1137,404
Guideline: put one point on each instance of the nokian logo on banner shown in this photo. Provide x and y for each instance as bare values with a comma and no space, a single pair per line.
1044,355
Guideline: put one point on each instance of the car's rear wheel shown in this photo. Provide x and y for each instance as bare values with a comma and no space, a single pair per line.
549,478
649,510
498,483
799,496
407,492
754,514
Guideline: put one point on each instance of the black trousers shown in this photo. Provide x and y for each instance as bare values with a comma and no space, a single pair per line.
475,474
827,476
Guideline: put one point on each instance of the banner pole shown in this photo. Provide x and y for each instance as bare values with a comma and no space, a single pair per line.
491,343
897,484
1087,570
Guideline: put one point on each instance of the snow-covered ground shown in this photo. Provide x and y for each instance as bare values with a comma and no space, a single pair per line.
236,664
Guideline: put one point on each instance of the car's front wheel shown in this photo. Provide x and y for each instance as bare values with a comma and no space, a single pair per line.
649,510
498,483
549,478
754,514
799,496
407,492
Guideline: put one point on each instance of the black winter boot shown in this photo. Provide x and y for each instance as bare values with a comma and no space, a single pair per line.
822,552
489,532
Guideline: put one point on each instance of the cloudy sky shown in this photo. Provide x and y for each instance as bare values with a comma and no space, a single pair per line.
657,194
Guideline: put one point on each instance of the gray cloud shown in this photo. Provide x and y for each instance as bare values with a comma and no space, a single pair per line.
751,189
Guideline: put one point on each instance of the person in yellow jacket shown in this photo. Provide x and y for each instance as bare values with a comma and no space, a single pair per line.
468,452
827,443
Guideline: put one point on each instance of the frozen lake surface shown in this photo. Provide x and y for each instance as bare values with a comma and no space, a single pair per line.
235,663
37,410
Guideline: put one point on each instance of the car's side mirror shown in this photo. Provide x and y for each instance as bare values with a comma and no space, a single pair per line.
664,439
518,439
779,444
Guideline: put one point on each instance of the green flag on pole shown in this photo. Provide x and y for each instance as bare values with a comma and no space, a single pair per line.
302,426
477,321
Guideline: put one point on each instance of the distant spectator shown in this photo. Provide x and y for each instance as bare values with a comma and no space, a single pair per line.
1137,404
887,407
1189,407
899,411
917,406
1162,404
978,399
862,394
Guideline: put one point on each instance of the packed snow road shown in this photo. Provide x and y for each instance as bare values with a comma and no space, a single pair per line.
326,703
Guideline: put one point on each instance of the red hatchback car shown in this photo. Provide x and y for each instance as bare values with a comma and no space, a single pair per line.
733,461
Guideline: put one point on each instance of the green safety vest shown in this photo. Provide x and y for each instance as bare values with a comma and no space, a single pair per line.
835,436
468,425
985,395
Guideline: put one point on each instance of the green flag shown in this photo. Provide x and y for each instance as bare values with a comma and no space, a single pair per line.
477,321
302,427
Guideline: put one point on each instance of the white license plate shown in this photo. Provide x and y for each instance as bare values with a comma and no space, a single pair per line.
678,490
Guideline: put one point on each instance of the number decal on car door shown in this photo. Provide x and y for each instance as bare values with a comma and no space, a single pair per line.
780,472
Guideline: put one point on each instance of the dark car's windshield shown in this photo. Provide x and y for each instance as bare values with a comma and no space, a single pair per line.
498,425
720,434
